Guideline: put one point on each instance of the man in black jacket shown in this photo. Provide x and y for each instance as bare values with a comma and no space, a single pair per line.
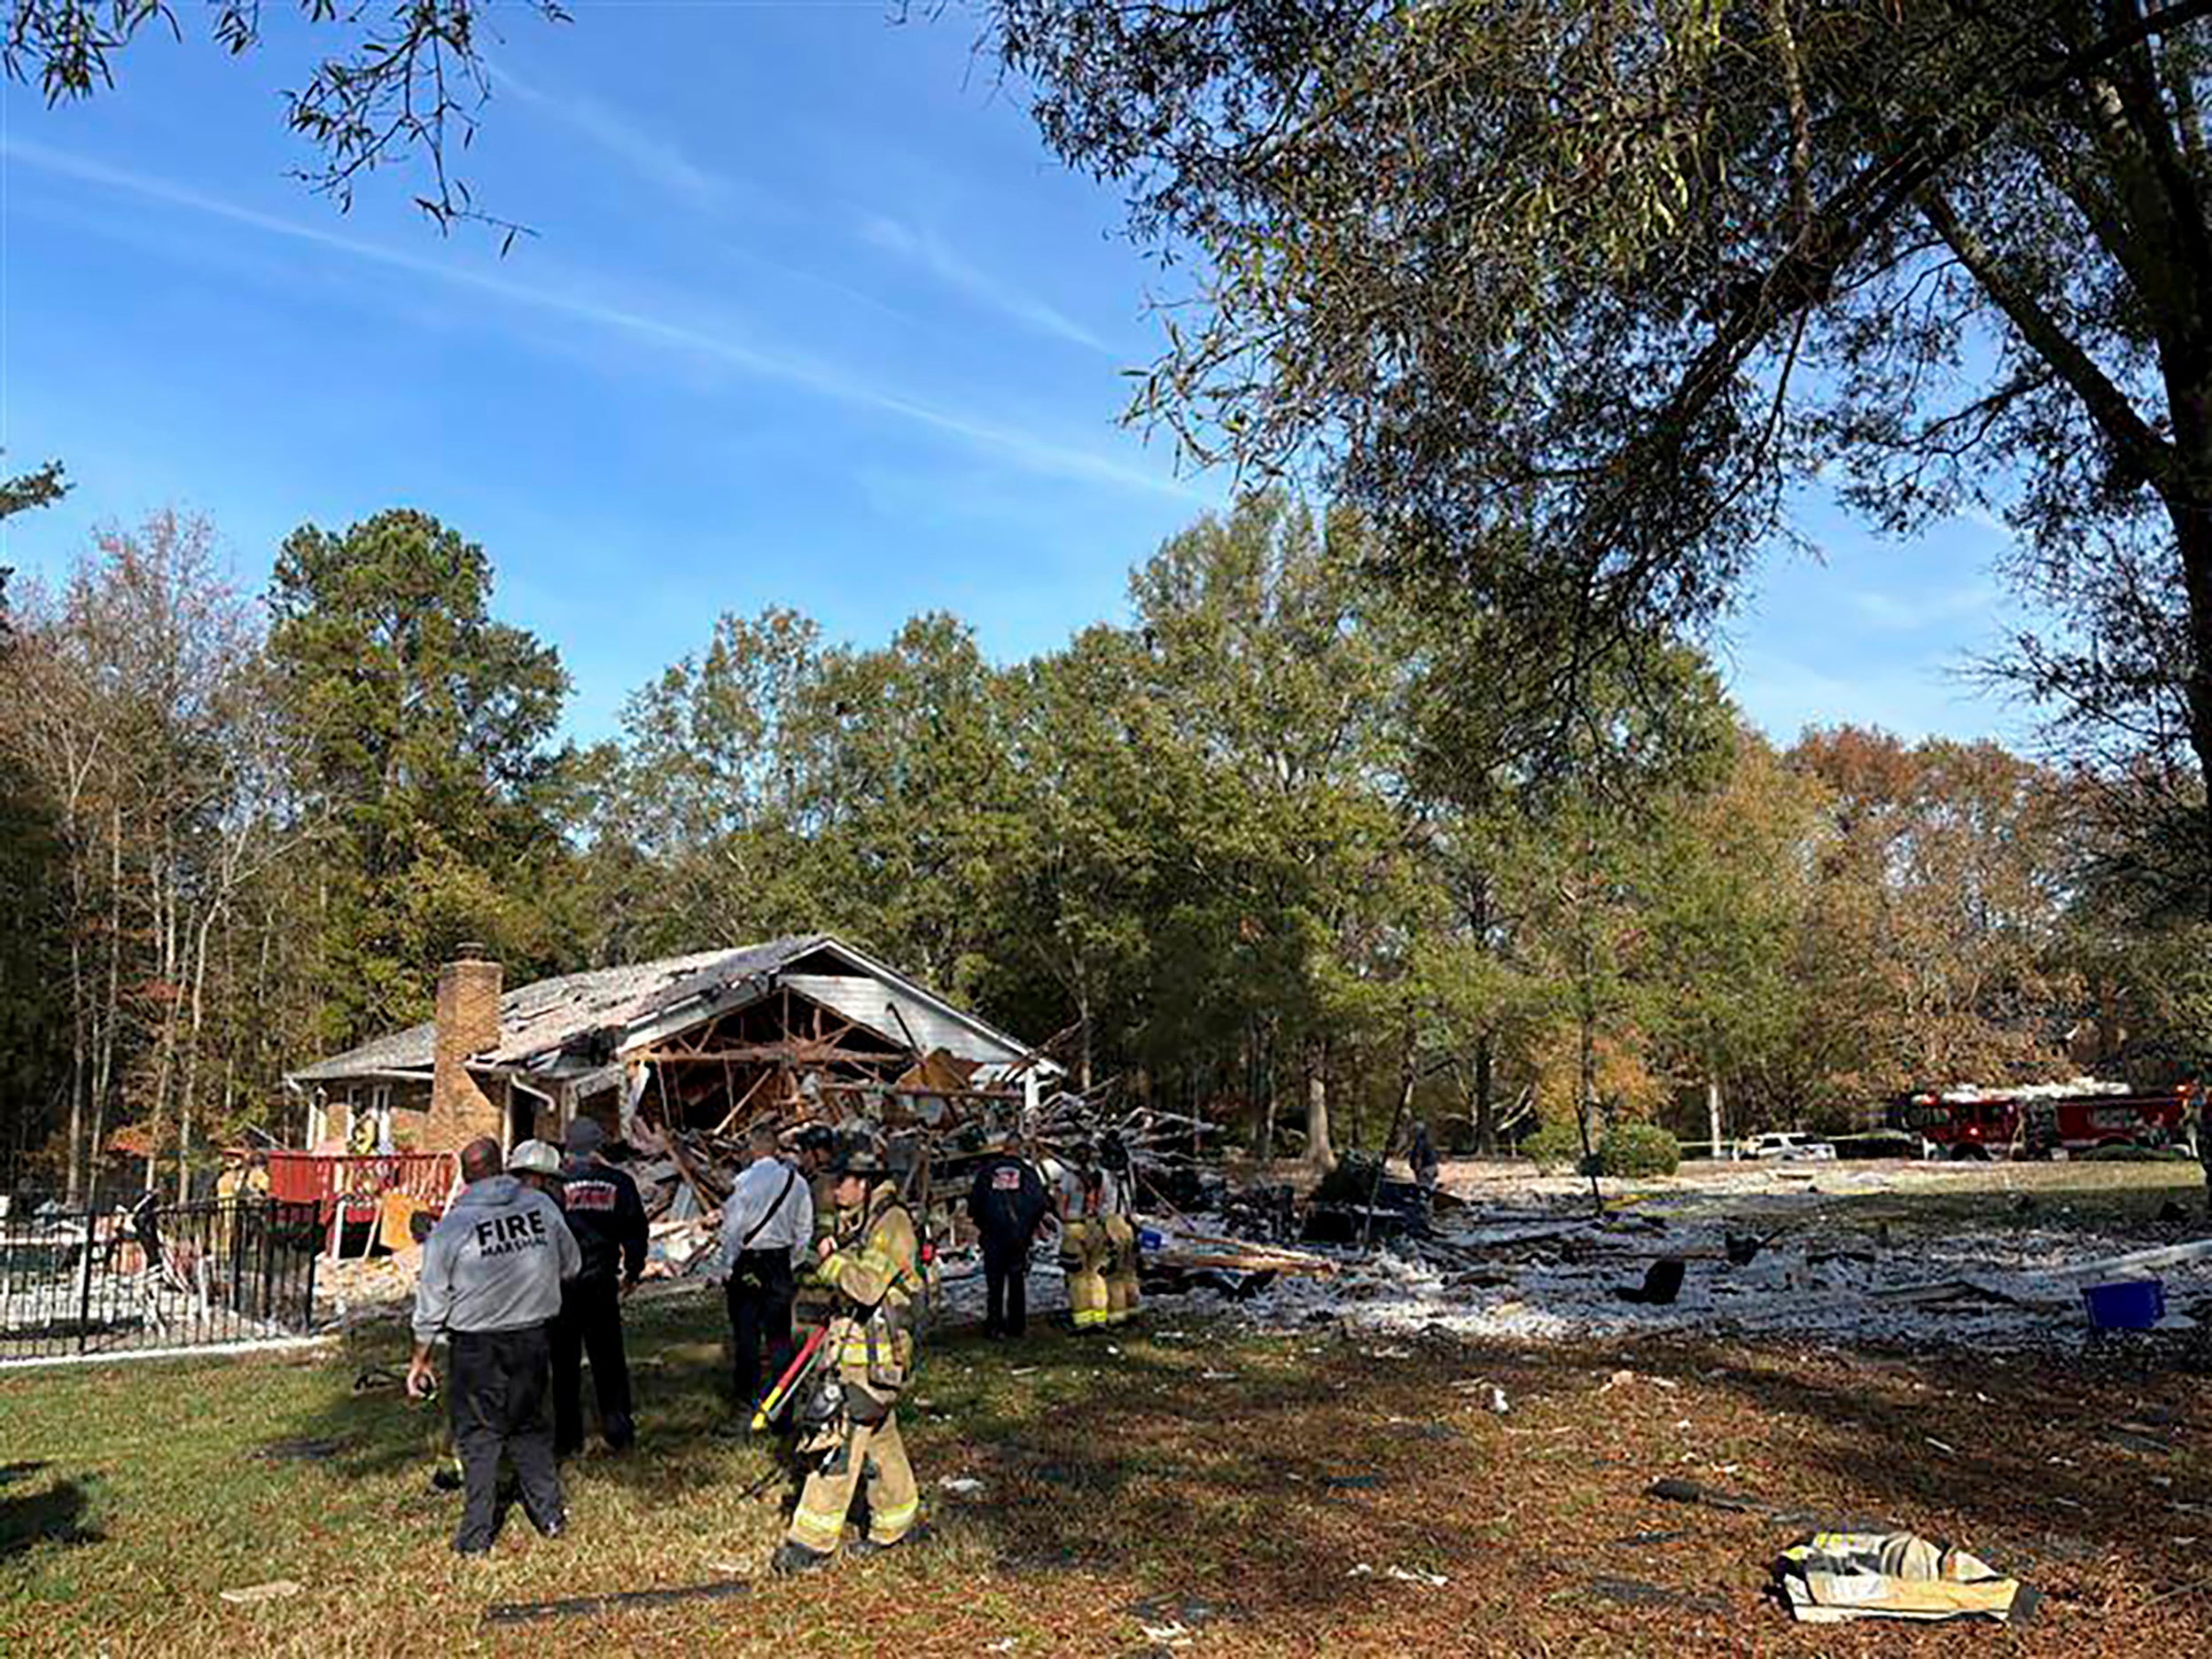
1007,1203
608,1218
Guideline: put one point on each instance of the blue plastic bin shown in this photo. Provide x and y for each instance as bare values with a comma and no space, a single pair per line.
1148,1239
2125,1305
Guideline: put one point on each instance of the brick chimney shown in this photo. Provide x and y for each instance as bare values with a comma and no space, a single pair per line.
467,1023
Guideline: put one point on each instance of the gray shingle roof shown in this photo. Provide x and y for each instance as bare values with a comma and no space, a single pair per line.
536,1018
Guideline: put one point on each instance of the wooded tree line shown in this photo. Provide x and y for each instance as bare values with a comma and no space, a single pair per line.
1280,846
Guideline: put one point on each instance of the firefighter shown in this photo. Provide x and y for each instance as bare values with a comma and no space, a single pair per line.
1083,1242
852,1419
1117,1190
1007,1204
240,1188
608,1218
491,1284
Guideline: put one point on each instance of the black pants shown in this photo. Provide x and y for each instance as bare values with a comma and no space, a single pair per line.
498,1394
759,1292
1006,1285
590,1323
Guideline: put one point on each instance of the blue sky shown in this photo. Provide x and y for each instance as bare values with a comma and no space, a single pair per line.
812,319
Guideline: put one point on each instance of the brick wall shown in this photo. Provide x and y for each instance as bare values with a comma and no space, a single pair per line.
467,1023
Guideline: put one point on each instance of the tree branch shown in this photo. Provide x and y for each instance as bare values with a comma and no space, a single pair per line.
2109,407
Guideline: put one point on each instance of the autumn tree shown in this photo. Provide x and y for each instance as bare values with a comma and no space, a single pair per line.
135,700
1932,950
1567,294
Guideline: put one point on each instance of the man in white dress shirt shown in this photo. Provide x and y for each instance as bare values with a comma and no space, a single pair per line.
768,1231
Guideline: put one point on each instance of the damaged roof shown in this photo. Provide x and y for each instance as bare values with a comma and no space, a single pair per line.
538,1020
551,1013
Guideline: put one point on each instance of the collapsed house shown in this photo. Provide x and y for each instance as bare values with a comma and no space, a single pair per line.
668,1052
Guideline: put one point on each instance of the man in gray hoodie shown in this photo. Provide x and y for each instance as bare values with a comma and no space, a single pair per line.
491,1284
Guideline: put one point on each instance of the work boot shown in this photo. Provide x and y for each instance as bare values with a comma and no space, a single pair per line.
791,1559
863,1548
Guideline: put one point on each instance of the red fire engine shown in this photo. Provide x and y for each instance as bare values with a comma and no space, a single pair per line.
2041,1123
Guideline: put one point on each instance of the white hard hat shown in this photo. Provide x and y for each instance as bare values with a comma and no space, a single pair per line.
534,1158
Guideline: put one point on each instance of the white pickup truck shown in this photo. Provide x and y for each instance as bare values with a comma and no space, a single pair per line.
1790,1148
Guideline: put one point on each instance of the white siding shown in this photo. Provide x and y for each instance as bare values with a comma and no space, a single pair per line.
866,1000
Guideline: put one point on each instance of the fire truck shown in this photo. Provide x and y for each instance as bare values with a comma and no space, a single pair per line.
2046,1120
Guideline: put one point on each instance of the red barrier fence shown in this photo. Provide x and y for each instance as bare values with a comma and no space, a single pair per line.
310,1178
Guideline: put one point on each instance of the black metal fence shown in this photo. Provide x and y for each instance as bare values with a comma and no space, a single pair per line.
156,1276
27,1183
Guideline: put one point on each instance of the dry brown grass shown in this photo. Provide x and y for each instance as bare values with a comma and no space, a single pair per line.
134,1495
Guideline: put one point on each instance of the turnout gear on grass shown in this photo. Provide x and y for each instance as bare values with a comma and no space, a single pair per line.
1833,1577
608,1217
1008,1203
856,1442
491,1283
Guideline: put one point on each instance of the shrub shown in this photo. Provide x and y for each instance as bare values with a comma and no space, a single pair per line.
2125,1152
1639,1149
1554,1143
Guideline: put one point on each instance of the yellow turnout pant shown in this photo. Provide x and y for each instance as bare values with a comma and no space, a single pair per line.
1083,1258
869,1457
1121,1277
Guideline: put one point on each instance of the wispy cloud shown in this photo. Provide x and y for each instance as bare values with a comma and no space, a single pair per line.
700,342
1974,513
1904,613
1784,694
923,248
651,157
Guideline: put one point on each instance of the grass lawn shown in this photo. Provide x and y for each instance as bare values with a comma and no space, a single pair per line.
2082,1193
131,1495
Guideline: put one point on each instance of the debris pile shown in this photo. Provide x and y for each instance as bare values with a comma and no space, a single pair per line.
1681,1262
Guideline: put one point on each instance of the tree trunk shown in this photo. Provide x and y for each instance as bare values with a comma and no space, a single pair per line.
1319,1150
2193,534
190,1084
1263,1081
104,1034
1586,1060
1083,1020
1485,1098
163,876
1712,1115
79,1078
1360,1112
